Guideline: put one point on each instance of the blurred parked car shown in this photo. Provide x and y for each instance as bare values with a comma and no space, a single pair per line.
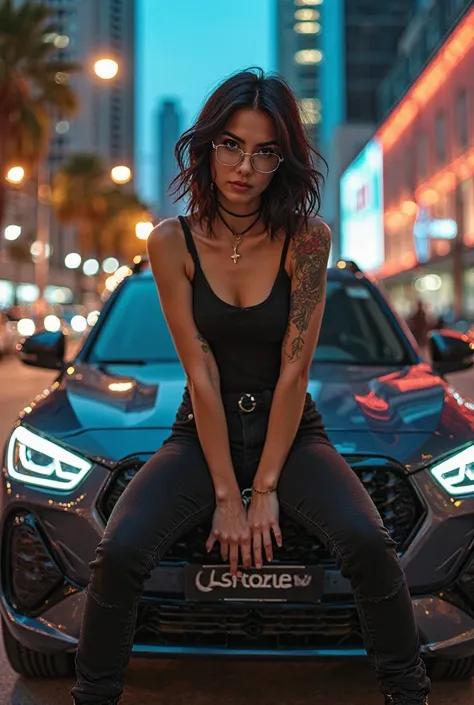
75,324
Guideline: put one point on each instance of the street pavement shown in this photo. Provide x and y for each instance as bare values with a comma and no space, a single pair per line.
210,681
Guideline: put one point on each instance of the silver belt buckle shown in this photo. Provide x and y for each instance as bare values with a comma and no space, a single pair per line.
246,496
251,399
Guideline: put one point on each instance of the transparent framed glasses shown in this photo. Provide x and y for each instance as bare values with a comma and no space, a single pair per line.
264,162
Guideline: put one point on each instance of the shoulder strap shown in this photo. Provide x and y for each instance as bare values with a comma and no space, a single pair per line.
284,251
190,244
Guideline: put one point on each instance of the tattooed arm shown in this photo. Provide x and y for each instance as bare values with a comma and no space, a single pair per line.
309,257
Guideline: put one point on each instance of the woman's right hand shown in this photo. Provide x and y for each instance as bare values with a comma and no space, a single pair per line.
231,529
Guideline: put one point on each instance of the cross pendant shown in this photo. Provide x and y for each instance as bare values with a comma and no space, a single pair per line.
235,256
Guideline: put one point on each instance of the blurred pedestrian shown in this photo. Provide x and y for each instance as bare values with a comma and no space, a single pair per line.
242,282
419,324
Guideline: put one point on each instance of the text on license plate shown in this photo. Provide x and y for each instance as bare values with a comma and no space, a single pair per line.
271,583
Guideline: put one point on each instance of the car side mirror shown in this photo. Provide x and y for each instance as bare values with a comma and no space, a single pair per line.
44,349
451,351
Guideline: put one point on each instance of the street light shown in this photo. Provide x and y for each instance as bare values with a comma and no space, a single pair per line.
38,248
143,230
90,267
110,265
79,323
121,174
12,232
15,175
73,260
106,69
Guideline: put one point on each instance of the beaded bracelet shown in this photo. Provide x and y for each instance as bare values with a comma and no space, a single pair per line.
254,489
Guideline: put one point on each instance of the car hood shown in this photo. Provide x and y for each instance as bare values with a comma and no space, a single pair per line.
388,411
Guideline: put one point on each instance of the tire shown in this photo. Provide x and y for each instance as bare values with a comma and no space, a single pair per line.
460,669
34,664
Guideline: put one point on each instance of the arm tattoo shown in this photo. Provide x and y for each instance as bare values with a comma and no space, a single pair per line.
310,255
204,344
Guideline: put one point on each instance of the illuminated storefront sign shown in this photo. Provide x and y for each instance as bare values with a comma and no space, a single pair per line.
426,227
362,229
429,83
419,189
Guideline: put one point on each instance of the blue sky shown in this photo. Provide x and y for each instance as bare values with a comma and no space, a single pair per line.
184,48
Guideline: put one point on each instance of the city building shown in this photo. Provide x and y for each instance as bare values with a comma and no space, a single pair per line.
299,56
359,44
87,30
91,30
407,200
169,131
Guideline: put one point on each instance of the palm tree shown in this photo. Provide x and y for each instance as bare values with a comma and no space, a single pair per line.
105,214
33,85
126,210
80,197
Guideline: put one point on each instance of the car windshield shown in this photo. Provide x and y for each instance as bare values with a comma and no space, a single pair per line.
355,328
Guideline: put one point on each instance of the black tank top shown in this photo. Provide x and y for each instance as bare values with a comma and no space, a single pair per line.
246,342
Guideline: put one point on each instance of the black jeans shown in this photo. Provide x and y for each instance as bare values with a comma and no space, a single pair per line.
173,492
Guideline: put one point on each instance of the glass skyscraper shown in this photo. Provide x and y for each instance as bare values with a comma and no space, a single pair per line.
359,43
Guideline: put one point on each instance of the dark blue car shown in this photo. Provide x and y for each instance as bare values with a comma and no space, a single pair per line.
405,432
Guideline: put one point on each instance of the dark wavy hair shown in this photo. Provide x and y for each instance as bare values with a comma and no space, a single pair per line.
294,192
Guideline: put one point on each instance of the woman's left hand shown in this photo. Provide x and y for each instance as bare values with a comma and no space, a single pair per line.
263,519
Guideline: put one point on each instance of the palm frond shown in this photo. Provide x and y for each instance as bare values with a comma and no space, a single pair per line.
104,213
29,89
26,132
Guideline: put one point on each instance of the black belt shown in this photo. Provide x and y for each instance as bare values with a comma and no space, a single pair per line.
246,402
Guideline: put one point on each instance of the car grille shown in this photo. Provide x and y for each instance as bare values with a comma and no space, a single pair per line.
387,484
229,626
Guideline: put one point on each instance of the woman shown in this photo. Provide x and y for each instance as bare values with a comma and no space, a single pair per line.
242,285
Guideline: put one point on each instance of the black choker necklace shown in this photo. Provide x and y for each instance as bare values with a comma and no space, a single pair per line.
238,215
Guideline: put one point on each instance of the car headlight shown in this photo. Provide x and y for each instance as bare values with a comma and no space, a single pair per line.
456,474
34,460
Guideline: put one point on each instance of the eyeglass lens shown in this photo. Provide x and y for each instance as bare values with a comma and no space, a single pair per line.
262,161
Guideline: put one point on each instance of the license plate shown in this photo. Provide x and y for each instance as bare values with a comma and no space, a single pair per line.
282,583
